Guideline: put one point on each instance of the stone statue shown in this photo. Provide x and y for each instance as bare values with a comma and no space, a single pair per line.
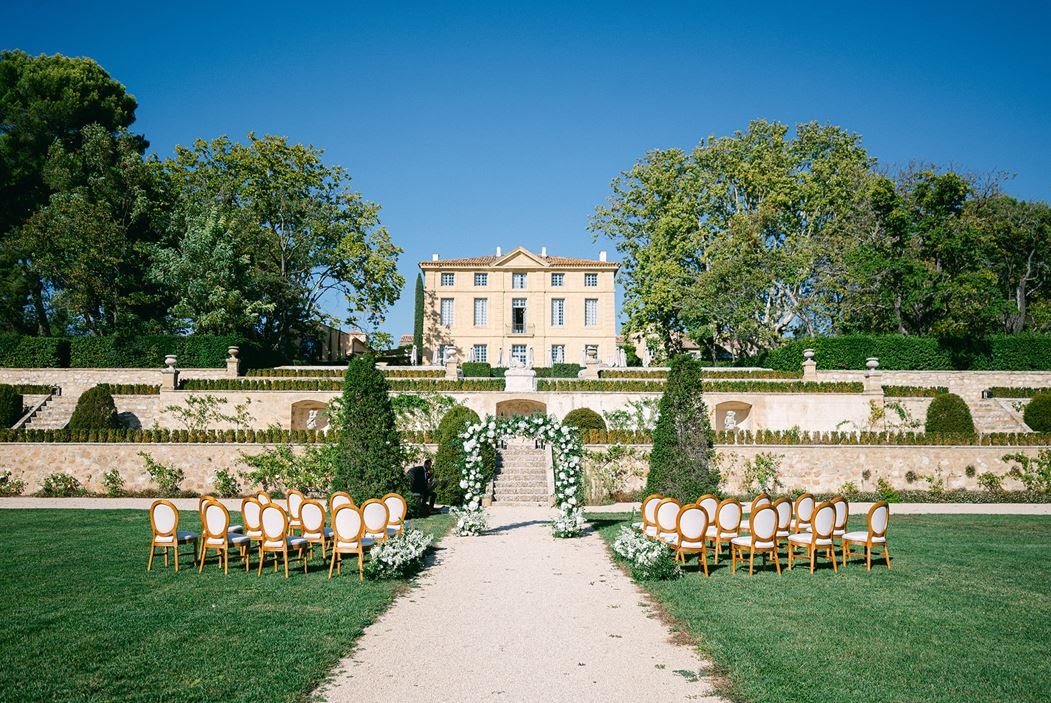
312,420
414,355
500,358
623,358
529,358
584,357
730,422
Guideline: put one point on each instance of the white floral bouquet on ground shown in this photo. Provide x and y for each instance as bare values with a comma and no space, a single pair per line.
569,523
469,522
650,559
398,556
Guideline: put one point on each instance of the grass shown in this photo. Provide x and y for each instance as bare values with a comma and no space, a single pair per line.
84,621
965,615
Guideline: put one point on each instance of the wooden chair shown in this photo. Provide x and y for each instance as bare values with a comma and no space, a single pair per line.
804,512
337,499
667,515
648,526
783,507
842,513
251,510
216,535
312,516
204,500
375,516
727,524
276,539
709,503
819,537
761,538
164,525
347,527
294,499
690,526
759,501
263,497
878,519
396,508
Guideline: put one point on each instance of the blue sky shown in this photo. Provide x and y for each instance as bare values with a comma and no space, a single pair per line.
475,126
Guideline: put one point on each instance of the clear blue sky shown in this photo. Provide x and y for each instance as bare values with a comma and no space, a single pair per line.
475,126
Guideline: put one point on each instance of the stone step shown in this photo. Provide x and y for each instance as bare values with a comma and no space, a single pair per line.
498,492
531,485
54,415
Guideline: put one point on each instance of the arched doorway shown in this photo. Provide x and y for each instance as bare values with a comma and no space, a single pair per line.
520,406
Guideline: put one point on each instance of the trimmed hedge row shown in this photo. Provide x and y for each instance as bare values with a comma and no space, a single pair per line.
1009,392
397,384
143,351
480,369
412,373
34,388
706,373
913,391
295,373
1018,352
633,386
600,385
130,389
165,436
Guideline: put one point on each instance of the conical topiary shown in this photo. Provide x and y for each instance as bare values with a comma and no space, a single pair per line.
95,411
681,462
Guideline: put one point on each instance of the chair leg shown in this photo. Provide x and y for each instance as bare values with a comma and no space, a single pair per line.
886,555
718,545
868,557
733,559
777,560
704,561
791,553
832,552
813,556
361,565
149,564
200,566
261,553
332,563
166,556
303,553
175,548
286,563
226,562
751,562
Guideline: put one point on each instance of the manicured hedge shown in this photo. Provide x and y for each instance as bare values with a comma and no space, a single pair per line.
634,386
295,373
913,391
412,373
473,369
140,352
719,374
600,385
11,405
130,388
476,369
1038,413
34,388
129,436
1019,352
307,384
1012,392
22,352
584,419
948,413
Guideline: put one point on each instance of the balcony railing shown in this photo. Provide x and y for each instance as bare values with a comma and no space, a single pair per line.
514,330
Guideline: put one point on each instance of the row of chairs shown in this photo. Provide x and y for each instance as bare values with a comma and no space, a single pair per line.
802,525
353,529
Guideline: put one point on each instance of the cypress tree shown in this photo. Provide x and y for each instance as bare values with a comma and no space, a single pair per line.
370,460
417,328
681,462
95,411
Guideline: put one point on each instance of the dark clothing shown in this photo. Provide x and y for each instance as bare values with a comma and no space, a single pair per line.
420,484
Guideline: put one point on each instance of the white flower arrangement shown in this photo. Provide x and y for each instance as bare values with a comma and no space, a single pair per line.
649,558
399,555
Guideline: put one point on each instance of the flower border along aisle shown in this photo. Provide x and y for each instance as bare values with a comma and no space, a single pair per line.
566,464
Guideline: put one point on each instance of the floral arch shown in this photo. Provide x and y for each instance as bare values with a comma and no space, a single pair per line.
566,462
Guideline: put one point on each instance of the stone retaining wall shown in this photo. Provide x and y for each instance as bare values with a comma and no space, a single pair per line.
76,381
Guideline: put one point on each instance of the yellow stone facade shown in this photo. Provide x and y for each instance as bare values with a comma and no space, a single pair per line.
495,308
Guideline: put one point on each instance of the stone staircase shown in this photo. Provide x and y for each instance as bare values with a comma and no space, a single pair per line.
521,475
54,414
990,415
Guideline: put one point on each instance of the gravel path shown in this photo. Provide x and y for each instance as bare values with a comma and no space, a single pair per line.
516,615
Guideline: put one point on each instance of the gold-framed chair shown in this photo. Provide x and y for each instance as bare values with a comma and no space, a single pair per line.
818,538
647,511
759,501
337,499
204,500
727,524
690,527
348,528
709,503
215,534
262,496
783,507
251,510
842,514
165,533
803,509
667,516
293,500
276,539
312,516
876,535
375,516
761,539
396,510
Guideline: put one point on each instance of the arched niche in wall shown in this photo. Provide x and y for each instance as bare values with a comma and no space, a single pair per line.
309,415
733,415
520,406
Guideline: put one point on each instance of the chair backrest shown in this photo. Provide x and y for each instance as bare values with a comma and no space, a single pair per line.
784,513
759,501
337,499
374,514
263,497
649,508
824,520
312,517
728,515
842,512
709,503
216,520
667,514
692,523
347,524
201,502
294,499
396,507
251,509
164,518
763,524
879,518
274,520
804,507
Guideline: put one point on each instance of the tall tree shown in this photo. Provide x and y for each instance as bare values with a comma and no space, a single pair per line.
307,233
417,324
44,100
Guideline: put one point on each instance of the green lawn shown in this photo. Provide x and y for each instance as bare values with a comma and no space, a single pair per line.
84,621
965,615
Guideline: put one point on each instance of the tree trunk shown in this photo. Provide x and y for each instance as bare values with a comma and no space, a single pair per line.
42,325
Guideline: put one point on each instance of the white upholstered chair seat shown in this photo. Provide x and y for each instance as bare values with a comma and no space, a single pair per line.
183,537
712,532
236,528
365,543
747,542
687,544
863,537
783,533
808,539
255,534
669,537
230,539
651,531
391,531
838,533
291,541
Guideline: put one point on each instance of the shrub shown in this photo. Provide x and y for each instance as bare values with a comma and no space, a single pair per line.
476,369
167,478
61,485
886,491
400,556
584,419
1033,472
10,406
948,414
649,559
20,351
761,473
1038,413
225,485
565,370
10,486
681,462
95,411
148,351
370,458
990,482
113,483
448,463
848,490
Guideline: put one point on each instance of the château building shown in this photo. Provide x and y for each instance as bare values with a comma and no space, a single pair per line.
519,306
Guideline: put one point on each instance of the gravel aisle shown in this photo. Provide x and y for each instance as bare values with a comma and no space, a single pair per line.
516,615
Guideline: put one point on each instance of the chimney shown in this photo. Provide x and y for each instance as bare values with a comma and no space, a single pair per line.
543,252
499,251
434,256
602,255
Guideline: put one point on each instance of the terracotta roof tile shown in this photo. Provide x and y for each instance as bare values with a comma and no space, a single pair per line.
490,260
